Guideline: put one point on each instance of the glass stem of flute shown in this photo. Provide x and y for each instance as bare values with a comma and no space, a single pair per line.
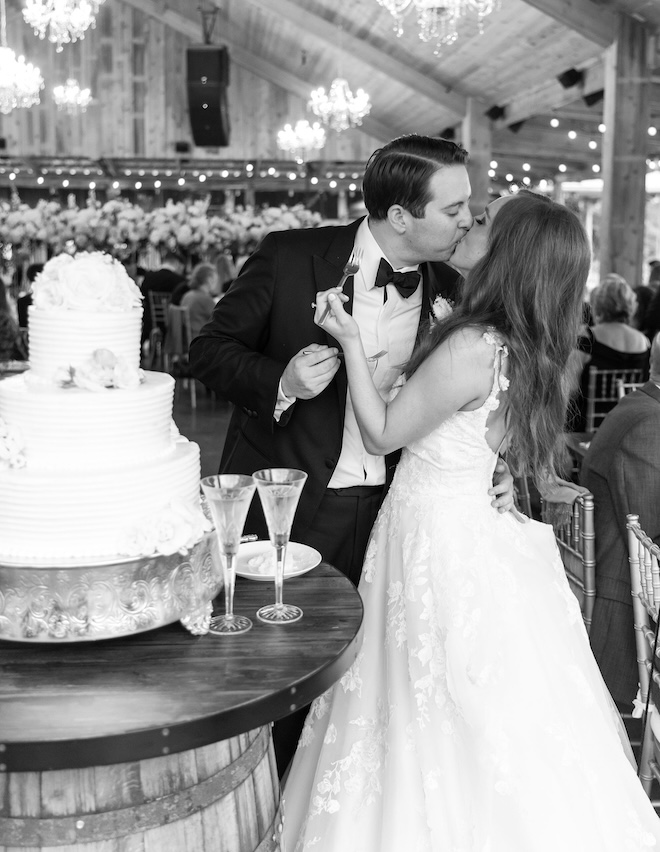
280,554
230,580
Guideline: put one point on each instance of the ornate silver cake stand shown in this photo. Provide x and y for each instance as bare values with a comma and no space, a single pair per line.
91,602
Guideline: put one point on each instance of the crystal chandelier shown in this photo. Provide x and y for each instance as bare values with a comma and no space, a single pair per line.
301,139
71,98
64,20
340,108
20,81
439,21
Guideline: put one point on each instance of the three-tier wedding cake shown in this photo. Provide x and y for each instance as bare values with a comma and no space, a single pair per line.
101,530
91,465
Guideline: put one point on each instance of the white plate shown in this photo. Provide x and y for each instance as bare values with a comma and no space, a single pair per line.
256,560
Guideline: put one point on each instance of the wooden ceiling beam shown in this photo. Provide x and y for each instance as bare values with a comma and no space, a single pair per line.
255,64
373,56
541,100
588,19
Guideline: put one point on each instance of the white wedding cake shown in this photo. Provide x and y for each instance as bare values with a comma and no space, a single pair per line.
92,468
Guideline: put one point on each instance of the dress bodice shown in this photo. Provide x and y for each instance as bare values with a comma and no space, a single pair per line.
455,456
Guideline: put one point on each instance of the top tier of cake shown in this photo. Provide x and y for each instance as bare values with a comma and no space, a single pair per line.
80,305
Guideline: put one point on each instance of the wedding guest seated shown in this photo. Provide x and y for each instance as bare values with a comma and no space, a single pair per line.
11,342
622,471
162,280
23,302
201,296
612,343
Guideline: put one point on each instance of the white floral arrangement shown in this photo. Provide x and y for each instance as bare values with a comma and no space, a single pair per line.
11,446
120,227
87,281
440,309
101,371
174,529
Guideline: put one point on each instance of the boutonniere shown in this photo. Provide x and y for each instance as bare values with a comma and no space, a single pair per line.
440,308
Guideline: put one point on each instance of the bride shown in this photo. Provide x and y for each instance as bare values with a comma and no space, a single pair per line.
474,718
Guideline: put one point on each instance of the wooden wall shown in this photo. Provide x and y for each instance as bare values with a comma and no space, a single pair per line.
135,66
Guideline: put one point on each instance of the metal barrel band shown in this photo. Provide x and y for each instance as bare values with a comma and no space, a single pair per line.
273,837
91,827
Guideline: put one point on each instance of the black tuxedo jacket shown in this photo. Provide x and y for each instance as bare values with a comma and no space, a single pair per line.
264,319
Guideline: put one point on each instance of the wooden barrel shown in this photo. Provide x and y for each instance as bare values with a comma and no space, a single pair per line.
222,797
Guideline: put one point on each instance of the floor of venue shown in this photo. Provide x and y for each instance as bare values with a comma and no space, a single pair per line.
207,423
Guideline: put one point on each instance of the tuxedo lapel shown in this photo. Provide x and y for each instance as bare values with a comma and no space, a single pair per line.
327,273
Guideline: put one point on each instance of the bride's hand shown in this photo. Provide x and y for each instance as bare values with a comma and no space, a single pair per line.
338,323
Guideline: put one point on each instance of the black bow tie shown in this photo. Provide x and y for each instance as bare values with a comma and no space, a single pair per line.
405,282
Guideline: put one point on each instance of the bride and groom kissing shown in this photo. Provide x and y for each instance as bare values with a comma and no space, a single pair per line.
422,744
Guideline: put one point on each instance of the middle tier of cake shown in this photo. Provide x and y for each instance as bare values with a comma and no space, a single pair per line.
71,429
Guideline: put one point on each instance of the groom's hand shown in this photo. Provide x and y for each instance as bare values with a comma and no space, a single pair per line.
502,489
310,371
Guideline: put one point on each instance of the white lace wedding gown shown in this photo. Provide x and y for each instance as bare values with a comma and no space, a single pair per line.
474,718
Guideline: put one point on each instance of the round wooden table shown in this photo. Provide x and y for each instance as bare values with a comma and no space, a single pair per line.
162,703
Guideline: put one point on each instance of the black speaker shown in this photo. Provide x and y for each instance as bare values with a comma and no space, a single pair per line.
594,97
571,78
495,112
208,79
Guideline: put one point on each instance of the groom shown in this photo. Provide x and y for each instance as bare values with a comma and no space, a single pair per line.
262,350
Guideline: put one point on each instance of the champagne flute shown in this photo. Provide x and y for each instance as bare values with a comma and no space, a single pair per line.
279,490
228,497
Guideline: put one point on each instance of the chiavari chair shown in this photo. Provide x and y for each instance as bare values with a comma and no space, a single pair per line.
643,557
602,393
622,388
575,537
175,348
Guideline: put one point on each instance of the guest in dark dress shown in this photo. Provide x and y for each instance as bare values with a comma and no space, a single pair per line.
11,343
612,343
23,302
622,471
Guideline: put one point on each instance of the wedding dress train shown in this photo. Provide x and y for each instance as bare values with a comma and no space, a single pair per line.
474,718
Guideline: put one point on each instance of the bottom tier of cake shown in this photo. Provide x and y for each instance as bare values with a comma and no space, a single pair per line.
94,516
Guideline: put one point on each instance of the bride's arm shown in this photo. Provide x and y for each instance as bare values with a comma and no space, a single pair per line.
456,375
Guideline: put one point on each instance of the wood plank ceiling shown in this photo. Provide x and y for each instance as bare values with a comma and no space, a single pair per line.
512,63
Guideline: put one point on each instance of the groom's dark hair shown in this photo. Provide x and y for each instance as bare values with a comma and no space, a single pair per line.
400,173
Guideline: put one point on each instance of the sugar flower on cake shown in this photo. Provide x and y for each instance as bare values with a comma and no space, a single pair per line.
87,281
101,371
174,529
11,446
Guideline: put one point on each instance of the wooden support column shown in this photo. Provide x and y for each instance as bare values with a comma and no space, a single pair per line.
476,138
626,117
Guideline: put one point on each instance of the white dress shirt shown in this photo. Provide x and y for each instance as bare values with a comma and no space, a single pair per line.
389,325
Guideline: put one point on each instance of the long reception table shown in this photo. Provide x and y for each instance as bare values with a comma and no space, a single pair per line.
161,741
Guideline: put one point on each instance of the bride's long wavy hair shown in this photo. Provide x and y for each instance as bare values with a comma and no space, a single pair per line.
529,286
